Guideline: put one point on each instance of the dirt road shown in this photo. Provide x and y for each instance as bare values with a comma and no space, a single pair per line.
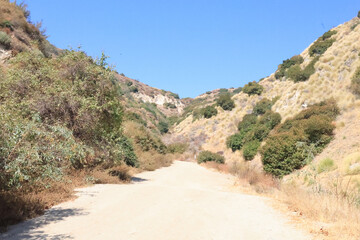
183,201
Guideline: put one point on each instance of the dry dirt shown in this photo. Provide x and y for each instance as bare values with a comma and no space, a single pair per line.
183,201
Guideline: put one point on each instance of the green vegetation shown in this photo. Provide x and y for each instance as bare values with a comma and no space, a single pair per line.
223,90
262,106
322,43
298,140
237,90
163,127
133,89
355,82
175,95
253,88
225,102
282,68
207,156
250,149
325,165
209,111
58,113
298,75
253,129
170,105
5,40
177,148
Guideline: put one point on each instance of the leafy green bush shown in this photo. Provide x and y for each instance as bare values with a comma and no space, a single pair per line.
358,15
163,127
299,139
250,149
237,90
175,95
177,148
133,89
298,75
225,102
129,83
258,132
170,105
270,119
209,111
59,112
322,43
207,156
223,90
5,40
247,122
253,88
262,106
355,82
282,68
236,141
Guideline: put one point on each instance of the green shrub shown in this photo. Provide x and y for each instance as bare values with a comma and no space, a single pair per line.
223,90
280,154
133,89
282,68
325,165
209,111
129,83
262,106
322,43
258,132
170,105
358,15
298,140
237,90
225,102
5,40
236,141
163,127
177,148
207,156
270,119
248,121
175,95
250,149
253,88
355,82
131,116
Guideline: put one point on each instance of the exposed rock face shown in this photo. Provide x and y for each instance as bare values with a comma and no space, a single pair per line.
160,100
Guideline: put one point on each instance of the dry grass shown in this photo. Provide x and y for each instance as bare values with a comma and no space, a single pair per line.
327,215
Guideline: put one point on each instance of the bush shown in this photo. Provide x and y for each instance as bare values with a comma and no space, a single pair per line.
355,82
247,122
177,148
262,106
225,102
322,43
236,141
170,105
358,15
223,90
128,83
207,156
253,88
163,127
133,89
5,40
295,60
237,90
209,111
298,140
250,149
280,154
259,132
298,75
270,119
175,95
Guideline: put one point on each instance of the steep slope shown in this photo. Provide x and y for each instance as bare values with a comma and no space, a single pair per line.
331,79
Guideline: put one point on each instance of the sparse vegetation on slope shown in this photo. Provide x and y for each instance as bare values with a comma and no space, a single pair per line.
355,82
322,44
207,156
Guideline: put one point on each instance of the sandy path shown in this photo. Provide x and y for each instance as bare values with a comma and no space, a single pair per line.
184,201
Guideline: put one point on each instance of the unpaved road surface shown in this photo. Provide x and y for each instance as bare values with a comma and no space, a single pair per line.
183,201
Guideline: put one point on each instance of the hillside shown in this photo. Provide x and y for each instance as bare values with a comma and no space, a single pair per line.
328,70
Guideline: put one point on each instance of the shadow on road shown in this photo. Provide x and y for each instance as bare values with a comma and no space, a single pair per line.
137,179
28,230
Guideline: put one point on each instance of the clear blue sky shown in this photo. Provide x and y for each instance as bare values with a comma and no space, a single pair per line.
191,46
